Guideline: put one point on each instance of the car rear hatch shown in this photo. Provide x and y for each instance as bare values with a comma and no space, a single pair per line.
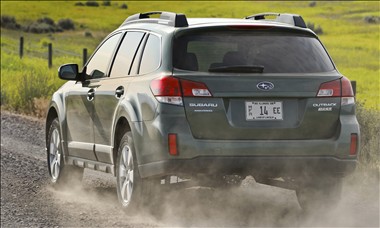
257,82
238,108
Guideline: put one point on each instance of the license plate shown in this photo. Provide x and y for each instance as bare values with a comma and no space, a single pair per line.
263,110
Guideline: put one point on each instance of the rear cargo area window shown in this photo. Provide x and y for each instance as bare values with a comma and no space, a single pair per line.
151,57
275,53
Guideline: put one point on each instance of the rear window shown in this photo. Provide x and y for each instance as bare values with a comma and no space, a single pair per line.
271,52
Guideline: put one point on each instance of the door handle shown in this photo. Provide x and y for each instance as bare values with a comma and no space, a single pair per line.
119,92
90,95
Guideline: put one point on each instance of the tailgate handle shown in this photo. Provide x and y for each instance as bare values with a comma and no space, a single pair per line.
119,92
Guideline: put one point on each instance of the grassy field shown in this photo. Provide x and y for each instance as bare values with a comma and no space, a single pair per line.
351,41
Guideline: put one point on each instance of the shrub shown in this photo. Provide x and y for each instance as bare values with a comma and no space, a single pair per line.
26,82
47,25
31,85
9,22
372,19
317,29
66,24
42,25
124,6
87,34
92,3
46,20
78,4
369,120
38,28
5,19
40,106
107,3
44,42
312,3
3,97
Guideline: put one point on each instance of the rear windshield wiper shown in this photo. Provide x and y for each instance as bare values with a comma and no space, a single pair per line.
238,69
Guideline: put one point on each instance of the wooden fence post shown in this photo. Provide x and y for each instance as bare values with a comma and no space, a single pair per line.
21,50
84,56
50,55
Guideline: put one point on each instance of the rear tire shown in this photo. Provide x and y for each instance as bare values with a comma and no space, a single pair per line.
319,195
60,174
133,192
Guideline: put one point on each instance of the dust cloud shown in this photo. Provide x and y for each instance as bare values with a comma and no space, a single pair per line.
94,203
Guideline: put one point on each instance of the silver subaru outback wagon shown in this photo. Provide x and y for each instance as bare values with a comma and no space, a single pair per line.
209,101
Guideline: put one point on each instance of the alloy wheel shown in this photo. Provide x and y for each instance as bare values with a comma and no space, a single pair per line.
126,178
55,154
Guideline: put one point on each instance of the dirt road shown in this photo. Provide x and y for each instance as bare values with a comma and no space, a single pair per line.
27,199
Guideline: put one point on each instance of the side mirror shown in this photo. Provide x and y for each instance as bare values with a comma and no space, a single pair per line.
68,72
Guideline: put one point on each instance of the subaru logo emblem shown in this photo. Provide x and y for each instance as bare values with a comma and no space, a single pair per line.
265,86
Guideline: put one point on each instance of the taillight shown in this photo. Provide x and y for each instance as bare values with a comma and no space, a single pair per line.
354,144
338,88
330,89
347,90
194,89
168,89
165,86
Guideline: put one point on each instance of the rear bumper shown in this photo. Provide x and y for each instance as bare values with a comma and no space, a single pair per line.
274,157
270,166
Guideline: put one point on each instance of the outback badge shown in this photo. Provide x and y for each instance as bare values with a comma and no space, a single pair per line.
265,86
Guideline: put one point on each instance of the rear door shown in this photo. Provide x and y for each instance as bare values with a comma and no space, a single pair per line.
263,85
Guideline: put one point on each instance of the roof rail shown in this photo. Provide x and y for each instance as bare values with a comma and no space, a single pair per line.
292,19
167,18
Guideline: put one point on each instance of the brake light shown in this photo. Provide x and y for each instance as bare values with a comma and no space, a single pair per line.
194,89
338,88
330,89
246,27
354,144
165,86
168,90
172,141
347,90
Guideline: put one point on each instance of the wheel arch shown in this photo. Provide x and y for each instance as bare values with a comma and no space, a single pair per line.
51,115
56,110
126,119
122,126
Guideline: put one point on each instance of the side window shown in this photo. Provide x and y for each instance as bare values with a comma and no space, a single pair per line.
126,54
136,63
98,64
152,55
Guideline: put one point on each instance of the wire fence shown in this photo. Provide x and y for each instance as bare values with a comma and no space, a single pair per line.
45,51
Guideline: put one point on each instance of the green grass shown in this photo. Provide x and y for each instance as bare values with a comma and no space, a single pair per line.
25,80
353,44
